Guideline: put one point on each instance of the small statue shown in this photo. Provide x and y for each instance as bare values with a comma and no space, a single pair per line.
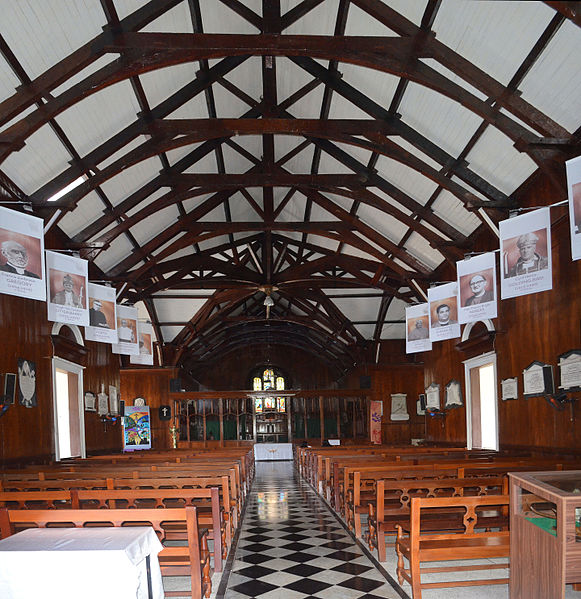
174,432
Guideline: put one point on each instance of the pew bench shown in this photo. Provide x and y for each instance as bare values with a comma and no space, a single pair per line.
474,542
191,560
391,506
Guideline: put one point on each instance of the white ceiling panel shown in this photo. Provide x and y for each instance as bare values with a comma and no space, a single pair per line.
411,182
43,157
554,82
248,77
450,209
53,29
8,80
358,308
496,36
495,158
177,310
154,196
162,83
443,121
169,333
377,85
84,124
131,179
89,209
176,20
160,294
167,244
393,331
419,248
187,251
152,226
366,330
320,21
218,18
119,249
386,224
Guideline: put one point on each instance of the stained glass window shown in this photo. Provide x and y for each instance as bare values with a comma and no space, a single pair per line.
279,383
281,404
257,384
269,403
258,404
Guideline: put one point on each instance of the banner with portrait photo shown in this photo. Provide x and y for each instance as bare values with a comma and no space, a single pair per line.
67,279
22,255
145,336
477,288
573,168
525,252
128,343
102,314
417,326
443,312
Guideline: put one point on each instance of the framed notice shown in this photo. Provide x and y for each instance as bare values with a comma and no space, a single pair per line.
399,409
22,255
573,168
509,389
538,380
570,370
90,401
433,397
453,395
113,400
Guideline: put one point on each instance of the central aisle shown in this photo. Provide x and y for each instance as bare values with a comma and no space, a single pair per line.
292,547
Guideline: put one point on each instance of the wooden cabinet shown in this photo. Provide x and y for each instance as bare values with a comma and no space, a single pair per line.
545,533
272,427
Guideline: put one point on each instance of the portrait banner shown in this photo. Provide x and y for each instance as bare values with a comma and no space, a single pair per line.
477,288
525,250
67,279
22,255
443,312
573,168
128,343
102,314
417,326
375,414
145,336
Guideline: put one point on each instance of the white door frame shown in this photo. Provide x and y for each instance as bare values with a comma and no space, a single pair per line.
78,370
481,360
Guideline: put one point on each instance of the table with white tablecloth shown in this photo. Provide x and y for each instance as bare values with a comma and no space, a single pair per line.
87,563
273,451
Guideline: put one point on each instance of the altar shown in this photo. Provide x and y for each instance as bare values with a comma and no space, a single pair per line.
273,451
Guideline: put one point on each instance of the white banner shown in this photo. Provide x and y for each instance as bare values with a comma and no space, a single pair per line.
525,243
477,288
102,314
128,344
67,289
443,312
145,336
573,168
21,255
417,326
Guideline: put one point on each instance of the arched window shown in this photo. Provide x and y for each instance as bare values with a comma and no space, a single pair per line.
268,378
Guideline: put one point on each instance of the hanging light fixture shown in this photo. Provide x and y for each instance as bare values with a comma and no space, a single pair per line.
268,301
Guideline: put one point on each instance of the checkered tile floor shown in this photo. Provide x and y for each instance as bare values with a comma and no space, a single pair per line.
292,547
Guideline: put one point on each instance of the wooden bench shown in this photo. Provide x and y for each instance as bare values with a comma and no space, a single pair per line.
192,559
392,502
471,543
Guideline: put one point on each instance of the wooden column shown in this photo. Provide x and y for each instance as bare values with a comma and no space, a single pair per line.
305,416
338,404
322,417
221,416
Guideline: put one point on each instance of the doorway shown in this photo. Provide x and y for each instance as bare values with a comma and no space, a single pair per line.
481,402
69,423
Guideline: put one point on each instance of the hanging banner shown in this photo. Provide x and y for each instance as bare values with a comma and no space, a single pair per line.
417,328
102,314
525,243
136,428
21,255
145,336
573,168
443,312
375,414
126,331
67,289
477,288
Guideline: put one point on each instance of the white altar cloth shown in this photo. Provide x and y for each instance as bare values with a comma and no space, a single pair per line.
92,563
273,451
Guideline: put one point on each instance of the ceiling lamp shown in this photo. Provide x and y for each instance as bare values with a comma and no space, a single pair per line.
268,301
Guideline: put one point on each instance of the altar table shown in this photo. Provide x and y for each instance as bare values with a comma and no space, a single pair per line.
273,451
92,563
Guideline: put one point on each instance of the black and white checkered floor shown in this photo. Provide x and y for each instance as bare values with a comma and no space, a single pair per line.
292,547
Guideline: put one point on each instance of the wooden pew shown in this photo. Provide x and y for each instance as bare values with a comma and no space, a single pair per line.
192,559
393,498
471,543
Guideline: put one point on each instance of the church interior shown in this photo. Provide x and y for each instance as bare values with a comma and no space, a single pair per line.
289,294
